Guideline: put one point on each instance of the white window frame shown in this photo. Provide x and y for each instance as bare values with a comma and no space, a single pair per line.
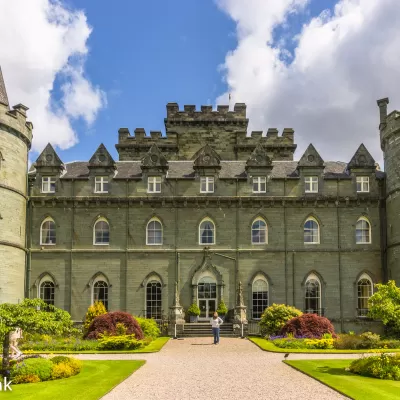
47,182
369,230
363,181
313,277
266,232
258,183
101,278
259,277
48,219
152,183
102,181
94,232
361,278
318,231
209,183
311,184
46,278
151,280
214,232
147,233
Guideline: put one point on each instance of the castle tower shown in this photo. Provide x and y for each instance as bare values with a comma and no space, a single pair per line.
389,127
15,142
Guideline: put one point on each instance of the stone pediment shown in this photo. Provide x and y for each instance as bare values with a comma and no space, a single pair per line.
154,159
258,159
49,158
207,157
311,158
207,266
101,159
362,159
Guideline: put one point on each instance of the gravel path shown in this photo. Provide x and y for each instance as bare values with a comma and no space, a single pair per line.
194,368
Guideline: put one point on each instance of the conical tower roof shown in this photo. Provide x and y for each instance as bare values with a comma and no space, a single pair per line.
3,92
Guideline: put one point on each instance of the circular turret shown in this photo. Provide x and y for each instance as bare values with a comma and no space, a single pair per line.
15,142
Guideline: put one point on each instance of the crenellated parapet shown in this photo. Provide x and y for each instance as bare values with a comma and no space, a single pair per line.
189,130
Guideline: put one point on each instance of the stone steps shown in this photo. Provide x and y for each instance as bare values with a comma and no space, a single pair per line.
205,330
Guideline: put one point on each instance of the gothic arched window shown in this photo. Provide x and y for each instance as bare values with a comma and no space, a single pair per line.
153,299
313,295
48,232
364,292
100,291
46,290
259,296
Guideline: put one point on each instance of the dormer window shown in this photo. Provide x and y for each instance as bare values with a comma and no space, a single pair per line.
207,184
48,184
154,184
311,184
101,184
362,184
259,184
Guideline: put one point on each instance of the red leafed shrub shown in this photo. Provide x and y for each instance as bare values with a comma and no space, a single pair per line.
107,324
308,326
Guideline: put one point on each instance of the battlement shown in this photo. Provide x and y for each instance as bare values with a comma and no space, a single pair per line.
271,138
205,114
389,123
16,120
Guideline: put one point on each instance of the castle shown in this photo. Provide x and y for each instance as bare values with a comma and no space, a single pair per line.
203,214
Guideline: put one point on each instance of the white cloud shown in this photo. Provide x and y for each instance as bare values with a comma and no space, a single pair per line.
39,40
343,62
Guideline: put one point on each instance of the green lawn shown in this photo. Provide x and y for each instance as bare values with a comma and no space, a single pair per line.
332,373
153,347
95,380
267,345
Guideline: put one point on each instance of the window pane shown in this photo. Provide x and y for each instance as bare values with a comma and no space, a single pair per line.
100,292
153,300
47,292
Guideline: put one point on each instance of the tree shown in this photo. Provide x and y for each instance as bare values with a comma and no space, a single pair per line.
384,304
93,311
32,316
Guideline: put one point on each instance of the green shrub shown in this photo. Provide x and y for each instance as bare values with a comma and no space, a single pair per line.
274,318
120,329
64,367
32,366
194,310
222,308
60,344
389,344
93,311
149,327
26,379
366,340
287,343
385,366
292,343
126,342
59,359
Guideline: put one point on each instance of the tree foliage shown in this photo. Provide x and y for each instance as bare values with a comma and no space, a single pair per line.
384,304
308,326
33,316
93,311
274,318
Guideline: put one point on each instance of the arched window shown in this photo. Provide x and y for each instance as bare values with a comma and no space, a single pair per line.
259,297
48,232
46,290
311,231
153,299
100,291
363,231
101,232
364,292
259,233
313,295
207,232
154,232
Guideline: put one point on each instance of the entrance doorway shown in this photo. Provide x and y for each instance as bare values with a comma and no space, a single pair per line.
207,296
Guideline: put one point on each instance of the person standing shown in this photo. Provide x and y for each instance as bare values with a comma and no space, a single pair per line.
216,322
14,337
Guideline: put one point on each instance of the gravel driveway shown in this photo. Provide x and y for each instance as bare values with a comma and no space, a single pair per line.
194,368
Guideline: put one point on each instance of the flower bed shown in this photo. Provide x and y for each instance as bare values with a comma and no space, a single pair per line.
37,369
384,366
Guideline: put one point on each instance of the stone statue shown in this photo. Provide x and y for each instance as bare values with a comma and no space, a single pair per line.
240,301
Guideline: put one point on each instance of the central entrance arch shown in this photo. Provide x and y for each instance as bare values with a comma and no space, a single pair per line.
207,296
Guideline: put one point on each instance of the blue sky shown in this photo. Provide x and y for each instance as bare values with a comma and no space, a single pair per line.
91,67
144,54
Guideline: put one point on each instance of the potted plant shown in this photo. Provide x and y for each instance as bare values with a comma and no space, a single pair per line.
222,309
194,312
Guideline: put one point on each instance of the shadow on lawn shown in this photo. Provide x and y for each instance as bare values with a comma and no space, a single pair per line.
333,371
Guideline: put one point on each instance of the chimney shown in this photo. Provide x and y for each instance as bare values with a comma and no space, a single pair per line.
382,104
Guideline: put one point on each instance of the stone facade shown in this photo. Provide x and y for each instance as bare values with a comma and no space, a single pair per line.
268,219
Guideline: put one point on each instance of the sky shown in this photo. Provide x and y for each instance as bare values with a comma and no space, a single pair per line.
86,68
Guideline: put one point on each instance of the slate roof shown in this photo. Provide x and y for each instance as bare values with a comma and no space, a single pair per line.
229,169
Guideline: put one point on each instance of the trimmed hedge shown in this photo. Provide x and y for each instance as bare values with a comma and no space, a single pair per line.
308,326
106,324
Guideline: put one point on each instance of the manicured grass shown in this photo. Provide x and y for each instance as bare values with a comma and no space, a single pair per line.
332,373
267,345
95,380
153,347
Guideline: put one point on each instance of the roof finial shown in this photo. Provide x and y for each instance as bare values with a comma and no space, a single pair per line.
3,92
